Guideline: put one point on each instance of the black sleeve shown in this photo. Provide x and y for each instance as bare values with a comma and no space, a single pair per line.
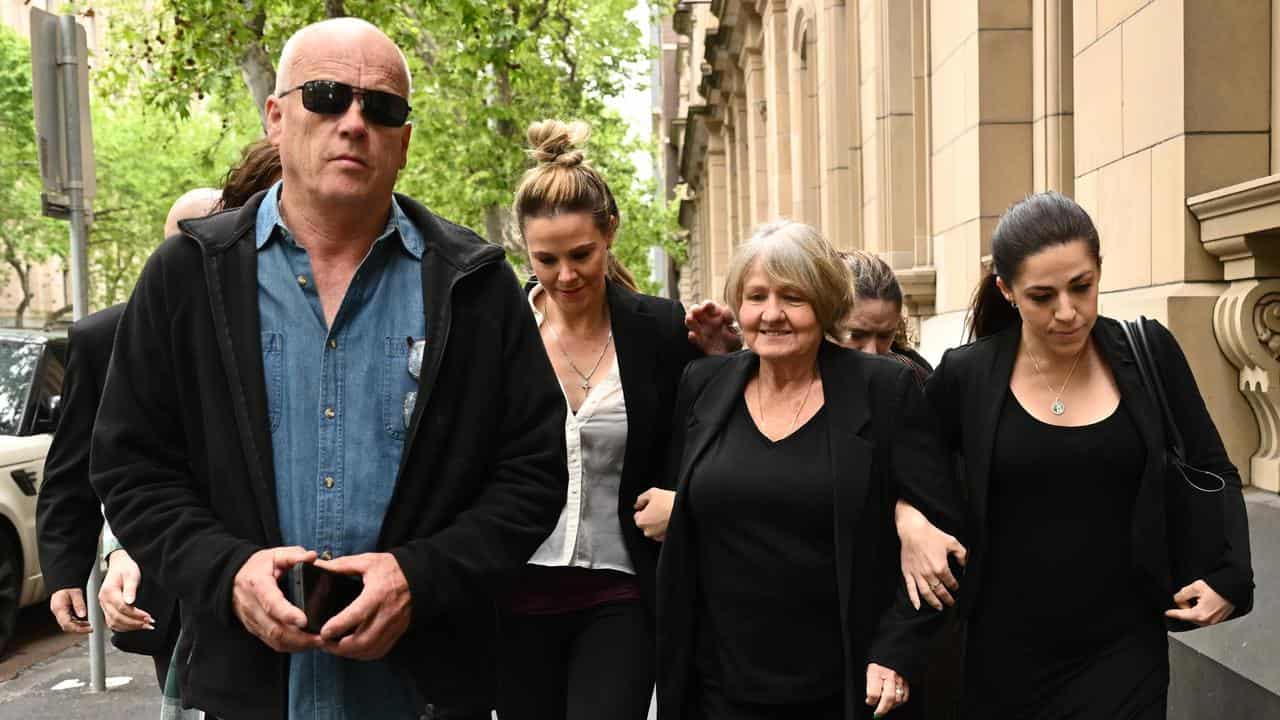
919,472
683,351
1233,579
68,515
140,467
520,504
941,401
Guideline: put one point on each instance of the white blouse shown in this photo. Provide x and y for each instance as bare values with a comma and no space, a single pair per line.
589,533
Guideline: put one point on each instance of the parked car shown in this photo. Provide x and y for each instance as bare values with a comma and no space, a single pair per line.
31,369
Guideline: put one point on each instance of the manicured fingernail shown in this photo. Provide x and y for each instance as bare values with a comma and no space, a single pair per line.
149,626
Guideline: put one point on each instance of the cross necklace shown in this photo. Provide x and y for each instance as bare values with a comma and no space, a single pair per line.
586,377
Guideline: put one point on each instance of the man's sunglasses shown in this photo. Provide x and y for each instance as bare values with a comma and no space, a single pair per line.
330,97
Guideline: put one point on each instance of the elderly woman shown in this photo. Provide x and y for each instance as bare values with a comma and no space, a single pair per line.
778,587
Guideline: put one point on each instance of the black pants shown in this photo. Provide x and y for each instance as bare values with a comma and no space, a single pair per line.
584,665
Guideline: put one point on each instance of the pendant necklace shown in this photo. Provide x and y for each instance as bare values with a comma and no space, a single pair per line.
1058,407
586,377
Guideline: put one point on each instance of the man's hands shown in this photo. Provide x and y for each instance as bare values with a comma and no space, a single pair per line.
886,689
713,328
369,627
119,591
653,512
67,606
263,609
366,630
925,550
1200,604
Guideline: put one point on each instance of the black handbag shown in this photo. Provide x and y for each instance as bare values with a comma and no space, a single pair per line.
1194,504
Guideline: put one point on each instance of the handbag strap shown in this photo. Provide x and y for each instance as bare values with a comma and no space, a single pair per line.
1135,332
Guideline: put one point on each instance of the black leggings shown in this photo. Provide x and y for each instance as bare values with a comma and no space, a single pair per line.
583,665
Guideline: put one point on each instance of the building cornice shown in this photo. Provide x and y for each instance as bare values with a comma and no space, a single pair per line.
1240,225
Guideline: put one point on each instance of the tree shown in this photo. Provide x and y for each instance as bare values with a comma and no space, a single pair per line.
146,160
483,70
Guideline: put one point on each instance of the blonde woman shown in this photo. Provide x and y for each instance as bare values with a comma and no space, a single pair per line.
576,625
779,591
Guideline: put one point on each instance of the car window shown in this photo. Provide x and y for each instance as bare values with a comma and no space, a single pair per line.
18,362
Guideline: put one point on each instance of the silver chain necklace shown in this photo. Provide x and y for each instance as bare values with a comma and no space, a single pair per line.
1058,407
796,418
586,377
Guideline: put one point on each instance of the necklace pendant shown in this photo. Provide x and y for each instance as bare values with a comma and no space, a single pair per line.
586,387
1058,408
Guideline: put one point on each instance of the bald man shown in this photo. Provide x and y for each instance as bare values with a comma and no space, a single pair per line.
191,204
332,375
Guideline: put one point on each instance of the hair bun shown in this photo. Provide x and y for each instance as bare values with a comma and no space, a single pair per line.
553,142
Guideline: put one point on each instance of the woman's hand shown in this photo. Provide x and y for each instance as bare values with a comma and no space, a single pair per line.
886,689
118,592
713,328
653,512
1200,604
925,550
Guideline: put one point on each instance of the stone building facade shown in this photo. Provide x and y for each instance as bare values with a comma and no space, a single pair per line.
906,127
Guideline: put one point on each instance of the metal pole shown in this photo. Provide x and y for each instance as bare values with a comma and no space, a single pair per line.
69,67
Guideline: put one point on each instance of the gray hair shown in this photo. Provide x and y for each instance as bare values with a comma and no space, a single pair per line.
795,255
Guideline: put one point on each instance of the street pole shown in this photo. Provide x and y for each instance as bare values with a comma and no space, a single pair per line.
69,66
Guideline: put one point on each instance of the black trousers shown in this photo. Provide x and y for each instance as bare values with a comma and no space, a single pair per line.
584,665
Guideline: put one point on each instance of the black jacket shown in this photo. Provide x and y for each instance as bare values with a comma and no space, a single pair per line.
653,349
885,446
968,392
68,514
182,456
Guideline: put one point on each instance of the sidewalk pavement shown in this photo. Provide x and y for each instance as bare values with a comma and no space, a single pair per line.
57,689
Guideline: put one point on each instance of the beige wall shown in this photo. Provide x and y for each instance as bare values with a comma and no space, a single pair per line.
907,127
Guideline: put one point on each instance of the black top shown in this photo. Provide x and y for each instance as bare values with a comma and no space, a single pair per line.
968,392
1060,581
767,617
181,456
883,446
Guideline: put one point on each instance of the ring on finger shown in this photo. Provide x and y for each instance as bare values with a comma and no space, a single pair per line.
935,586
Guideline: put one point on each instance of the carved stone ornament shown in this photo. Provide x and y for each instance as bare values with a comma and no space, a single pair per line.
1266,323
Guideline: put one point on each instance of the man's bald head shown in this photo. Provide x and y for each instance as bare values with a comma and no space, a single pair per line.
324,34
193,204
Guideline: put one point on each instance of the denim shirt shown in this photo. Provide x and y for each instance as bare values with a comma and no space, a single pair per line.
338,401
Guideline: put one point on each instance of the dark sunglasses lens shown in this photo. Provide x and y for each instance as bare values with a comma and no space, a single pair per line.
326,97
385,109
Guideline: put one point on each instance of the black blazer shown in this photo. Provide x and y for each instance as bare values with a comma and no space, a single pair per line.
968,392
653,348
68,514
652,344
884,446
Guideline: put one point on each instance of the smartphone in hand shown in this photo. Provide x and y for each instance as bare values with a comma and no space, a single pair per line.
321,594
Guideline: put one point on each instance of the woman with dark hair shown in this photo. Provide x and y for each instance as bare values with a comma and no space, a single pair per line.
875,324
1063,451
258,169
